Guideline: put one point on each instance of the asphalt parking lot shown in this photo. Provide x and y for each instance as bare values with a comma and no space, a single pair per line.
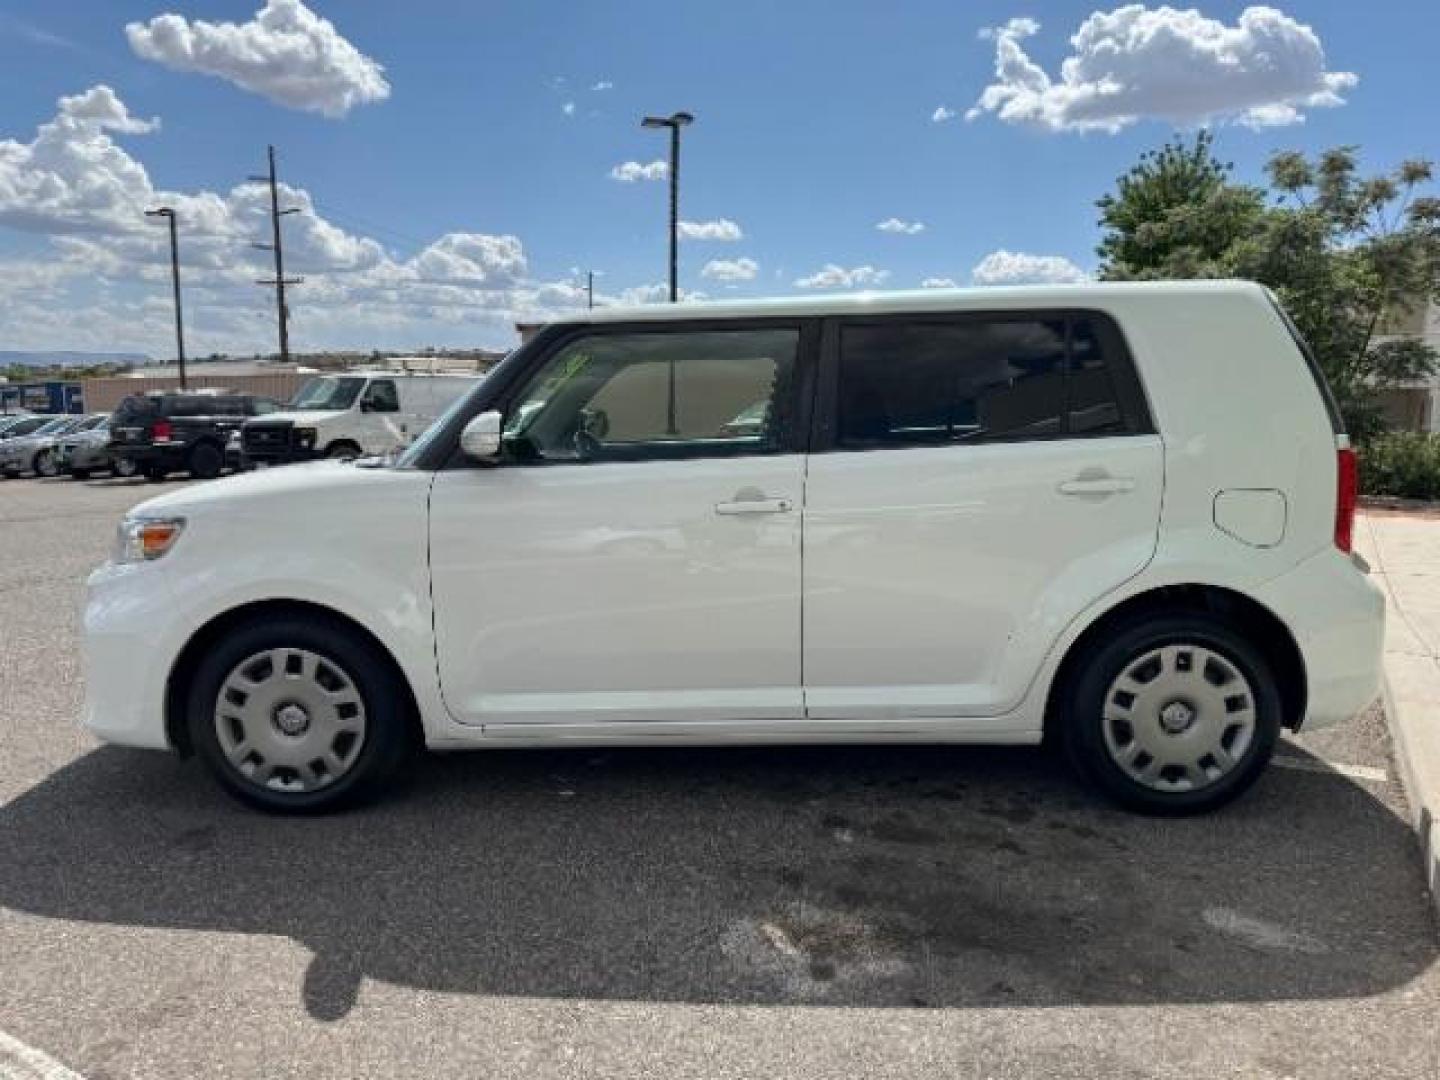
767,913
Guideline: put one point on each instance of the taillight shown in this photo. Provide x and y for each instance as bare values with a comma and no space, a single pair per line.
1347,489
162,430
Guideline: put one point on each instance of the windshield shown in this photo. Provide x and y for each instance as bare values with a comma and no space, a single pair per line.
56,426
328,392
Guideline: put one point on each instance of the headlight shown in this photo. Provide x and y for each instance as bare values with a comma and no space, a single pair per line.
146,539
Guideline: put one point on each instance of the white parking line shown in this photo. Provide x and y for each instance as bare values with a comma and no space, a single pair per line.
21,1062
1354,772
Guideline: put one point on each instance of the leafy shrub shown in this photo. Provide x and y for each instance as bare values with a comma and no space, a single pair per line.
1404,464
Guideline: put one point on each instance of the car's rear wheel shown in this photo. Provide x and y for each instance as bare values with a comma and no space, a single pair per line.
123,466
80,474
205,461
1174,714
299,715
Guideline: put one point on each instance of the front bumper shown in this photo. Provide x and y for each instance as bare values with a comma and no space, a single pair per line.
1337,616
131,640
276,442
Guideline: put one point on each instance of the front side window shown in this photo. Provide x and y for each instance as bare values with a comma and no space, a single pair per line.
978,379
382,396
662,393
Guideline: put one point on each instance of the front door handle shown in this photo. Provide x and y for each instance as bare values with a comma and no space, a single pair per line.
753,501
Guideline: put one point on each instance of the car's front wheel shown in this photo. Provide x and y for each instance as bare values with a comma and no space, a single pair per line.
124,467
299,715
45,463
1175,714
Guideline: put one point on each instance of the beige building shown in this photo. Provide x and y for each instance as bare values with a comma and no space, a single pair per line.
1415,406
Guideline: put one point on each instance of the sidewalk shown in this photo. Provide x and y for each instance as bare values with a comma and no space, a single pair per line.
1403,550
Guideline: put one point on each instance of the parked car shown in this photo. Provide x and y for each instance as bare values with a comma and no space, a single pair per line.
159,434
1116,516
83,453
13,427
346,416
35,452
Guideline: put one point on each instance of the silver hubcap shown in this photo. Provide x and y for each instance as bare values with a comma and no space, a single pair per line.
1179,718
290,720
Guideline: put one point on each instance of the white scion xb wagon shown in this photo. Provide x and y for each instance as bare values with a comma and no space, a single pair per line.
1115,515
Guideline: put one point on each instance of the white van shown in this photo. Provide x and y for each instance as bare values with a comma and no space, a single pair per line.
352,415
1115,515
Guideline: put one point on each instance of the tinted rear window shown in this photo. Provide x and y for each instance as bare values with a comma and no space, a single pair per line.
908,382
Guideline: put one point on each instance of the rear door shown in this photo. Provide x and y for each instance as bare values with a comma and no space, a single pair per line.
978,481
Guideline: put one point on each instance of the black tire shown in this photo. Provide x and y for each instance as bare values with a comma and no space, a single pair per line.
388,740
155,473
205,461
1081,704
44,464
79,474
124,467
342,450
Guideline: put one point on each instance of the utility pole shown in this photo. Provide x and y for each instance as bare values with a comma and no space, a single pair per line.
279,281
169,214
589,289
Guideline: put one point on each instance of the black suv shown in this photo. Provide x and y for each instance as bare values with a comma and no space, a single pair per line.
181,432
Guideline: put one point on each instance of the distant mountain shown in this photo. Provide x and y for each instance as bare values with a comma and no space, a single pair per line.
69,359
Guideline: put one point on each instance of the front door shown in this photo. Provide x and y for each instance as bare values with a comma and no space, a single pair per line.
635,558
985,478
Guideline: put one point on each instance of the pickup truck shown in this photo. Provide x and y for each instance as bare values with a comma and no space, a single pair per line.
181,432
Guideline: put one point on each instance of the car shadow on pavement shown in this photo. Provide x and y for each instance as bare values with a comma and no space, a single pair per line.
929,877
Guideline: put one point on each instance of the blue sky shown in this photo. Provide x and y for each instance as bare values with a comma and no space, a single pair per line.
498,124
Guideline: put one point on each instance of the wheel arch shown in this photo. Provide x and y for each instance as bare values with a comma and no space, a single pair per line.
177,683
342,441
1245,614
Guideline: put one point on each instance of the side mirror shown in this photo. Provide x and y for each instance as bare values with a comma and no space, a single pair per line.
365,405
480,438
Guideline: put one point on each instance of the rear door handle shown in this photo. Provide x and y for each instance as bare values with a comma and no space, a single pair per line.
754,506
1094,487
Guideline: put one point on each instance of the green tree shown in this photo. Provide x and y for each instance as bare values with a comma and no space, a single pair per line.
1348,255
1176,214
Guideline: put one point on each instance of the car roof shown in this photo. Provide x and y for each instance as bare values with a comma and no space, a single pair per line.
918,301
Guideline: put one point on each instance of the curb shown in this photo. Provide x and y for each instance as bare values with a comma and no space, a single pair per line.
1424,805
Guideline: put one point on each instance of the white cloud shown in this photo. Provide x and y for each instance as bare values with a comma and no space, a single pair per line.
831,276
1016,268
74,184
942,113
657,293
285,53
741,269
630,171
1178,66
938,283
896,225
603,84
720,229
568,108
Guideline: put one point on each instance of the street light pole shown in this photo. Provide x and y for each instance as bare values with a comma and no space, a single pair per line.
169,214
675,121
